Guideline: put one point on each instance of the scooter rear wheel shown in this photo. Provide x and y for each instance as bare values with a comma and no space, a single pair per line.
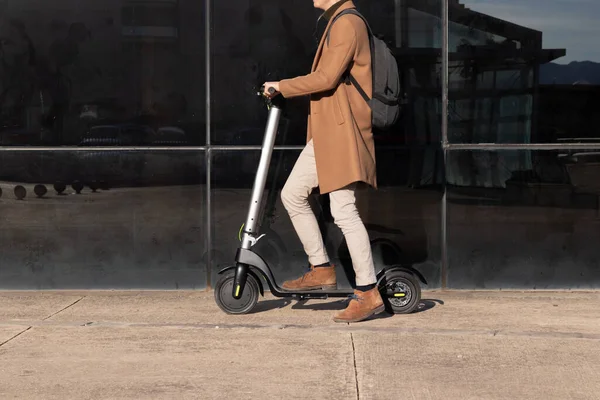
405,283
225,299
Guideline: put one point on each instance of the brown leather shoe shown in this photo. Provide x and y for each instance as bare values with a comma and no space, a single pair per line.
362,306
316,278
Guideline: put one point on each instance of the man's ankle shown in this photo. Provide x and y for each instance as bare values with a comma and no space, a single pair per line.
366,288
327,264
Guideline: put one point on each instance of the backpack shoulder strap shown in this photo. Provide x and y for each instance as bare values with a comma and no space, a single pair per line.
359,88
352,11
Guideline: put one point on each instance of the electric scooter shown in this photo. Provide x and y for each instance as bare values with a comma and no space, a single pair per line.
238,287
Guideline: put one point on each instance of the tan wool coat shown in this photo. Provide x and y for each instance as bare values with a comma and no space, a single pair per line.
339,122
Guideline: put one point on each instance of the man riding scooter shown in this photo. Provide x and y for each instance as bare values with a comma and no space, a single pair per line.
339,156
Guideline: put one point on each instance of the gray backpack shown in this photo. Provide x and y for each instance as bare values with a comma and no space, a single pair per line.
385,104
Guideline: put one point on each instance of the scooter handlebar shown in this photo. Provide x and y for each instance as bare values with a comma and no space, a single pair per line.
271,90
276,101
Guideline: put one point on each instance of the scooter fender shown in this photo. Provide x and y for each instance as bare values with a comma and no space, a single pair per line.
403,268
251,272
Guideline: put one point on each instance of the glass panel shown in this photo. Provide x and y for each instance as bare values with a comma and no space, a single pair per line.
535,65
424,29
254,41
418,51
137,222
523,219
81,73
404,213
256,51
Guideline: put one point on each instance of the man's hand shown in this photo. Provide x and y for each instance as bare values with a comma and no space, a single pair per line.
274,85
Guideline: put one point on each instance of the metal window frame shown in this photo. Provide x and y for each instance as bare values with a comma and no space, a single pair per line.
445,145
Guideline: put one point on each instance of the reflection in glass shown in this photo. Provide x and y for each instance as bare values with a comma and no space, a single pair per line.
80,220
130,74
402,215
517,77
523,219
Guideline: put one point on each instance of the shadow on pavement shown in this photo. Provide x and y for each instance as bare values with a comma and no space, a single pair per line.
267,305
329,306
427,304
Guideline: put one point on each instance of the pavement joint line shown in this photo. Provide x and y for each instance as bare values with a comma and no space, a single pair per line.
336,328
15,336
63,309
355,369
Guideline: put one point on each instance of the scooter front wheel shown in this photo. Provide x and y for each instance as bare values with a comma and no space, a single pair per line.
225,299
407,292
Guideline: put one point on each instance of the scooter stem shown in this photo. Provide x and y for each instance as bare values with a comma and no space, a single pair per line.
248,238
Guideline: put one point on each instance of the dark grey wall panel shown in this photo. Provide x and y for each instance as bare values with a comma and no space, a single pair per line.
143,228
524,219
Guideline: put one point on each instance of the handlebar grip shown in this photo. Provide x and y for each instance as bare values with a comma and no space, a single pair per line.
271,90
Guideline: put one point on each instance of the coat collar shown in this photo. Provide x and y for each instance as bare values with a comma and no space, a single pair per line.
336,9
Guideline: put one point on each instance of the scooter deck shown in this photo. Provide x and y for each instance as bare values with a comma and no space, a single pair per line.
313,294
323,294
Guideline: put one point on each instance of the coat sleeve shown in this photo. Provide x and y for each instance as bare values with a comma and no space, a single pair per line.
334,61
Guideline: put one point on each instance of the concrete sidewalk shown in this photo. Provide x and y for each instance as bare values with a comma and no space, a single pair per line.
163,345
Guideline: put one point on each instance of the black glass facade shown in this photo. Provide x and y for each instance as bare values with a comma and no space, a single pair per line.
130,132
